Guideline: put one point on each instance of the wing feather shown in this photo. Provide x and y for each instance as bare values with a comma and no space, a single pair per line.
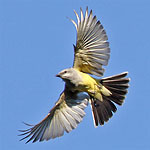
64,116
92,49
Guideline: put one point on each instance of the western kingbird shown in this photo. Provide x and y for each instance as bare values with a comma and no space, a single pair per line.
91,52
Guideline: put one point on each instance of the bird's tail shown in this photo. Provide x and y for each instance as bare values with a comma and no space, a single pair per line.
103,110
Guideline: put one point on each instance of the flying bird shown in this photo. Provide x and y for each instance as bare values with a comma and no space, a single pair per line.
91,53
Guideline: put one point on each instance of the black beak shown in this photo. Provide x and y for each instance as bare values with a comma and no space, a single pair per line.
57,75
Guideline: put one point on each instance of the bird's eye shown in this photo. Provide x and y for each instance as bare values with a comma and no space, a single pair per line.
65,71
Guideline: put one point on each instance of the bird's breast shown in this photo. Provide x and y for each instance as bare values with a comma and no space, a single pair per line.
88,83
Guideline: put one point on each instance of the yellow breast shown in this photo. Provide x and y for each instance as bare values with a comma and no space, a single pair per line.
92,86
89,84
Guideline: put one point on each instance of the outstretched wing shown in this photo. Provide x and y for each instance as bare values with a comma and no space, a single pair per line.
64,116
92,49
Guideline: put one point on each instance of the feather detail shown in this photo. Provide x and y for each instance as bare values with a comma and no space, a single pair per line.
117,86
64,116
92,49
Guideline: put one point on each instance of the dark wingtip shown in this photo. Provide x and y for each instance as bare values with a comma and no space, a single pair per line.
27,124
25,132
86,8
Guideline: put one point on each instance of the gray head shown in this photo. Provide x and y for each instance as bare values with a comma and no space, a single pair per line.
70,76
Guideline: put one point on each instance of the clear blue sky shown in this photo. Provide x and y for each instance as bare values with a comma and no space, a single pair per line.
36,42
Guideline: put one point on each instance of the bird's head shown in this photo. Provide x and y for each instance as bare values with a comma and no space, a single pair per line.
66,74
70,75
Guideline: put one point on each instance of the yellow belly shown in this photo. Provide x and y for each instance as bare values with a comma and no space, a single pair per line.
92,86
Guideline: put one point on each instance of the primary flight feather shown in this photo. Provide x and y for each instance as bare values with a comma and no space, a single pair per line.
92,49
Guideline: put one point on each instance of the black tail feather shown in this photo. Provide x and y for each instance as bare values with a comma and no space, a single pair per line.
114,77
94,112
103,110
118,86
